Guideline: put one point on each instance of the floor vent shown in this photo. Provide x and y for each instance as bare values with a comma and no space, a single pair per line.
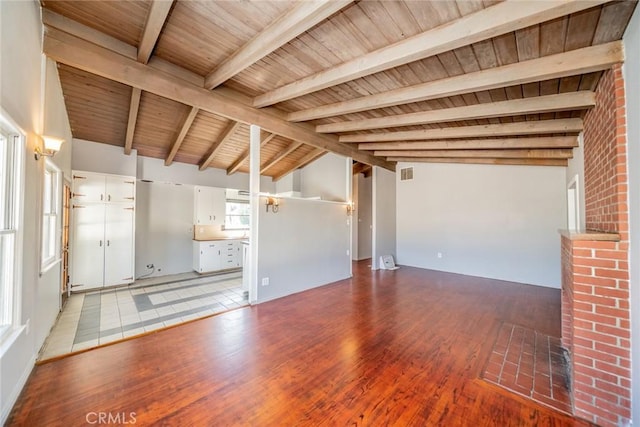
406,174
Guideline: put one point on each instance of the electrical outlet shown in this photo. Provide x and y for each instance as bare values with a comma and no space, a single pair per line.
149,266
347,252
265,281
439,254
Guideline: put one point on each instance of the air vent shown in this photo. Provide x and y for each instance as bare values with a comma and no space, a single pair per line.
406,174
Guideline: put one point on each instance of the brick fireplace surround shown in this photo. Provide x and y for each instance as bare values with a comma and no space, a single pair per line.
595,271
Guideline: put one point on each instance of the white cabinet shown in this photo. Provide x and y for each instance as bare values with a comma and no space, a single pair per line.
209,207
103,230
215,255
97,187
206,256
231,254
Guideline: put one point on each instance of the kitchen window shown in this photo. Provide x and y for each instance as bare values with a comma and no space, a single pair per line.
236,215
11,189
50,215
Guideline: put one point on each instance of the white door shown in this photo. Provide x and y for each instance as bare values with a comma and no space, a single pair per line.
88,187
120,189
87,265
118,256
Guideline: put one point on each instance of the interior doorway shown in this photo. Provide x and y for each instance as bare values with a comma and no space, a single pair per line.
66,210
362,216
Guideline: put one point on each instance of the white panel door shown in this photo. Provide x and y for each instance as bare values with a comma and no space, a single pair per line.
87,265
120,189
88,187
119,234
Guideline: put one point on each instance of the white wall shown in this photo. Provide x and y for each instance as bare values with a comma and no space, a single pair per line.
289,182
56,121
576,167
631,70
28,94
329,177
499,222
103,158
164,228
383,217
181,173
304,245
364,210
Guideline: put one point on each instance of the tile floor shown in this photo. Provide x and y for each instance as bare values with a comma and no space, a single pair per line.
95,318
529,363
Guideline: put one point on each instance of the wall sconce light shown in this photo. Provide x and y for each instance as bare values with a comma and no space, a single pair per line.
51,147
274,203
351,207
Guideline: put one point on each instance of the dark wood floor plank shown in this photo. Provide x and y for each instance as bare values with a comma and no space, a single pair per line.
401,347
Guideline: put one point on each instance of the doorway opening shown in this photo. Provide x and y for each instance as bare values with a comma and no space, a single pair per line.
362,229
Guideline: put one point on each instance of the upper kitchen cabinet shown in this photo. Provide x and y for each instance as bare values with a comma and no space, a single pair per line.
97,187
209,208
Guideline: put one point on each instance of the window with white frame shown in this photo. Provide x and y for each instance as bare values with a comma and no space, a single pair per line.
50,214
237,215
11,153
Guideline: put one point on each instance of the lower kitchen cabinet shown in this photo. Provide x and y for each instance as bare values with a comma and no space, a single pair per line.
215,255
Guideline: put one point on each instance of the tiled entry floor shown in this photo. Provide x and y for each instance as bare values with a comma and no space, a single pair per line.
95,318
529,363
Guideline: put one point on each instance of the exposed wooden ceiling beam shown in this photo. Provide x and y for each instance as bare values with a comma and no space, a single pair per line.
478,161
580,61
84,32
303,16
70,50
475,144
360,168
184,129
281,155
134,105
558,153
52,19
490,22
538,104
308,158
538,127
245,154
224,137
158,12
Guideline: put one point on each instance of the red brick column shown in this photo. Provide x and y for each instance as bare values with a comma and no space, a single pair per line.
596,325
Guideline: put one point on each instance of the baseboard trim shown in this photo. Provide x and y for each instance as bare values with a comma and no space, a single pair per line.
13,398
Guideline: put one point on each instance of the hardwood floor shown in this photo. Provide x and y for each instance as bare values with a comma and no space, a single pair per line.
401,347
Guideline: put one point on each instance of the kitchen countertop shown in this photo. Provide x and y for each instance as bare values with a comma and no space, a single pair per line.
220,238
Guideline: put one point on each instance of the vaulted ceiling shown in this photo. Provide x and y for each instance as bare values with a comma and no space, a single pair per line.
470,81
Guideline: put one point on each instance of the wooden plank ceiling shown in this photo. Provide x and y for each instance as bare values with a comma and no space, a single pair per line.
469,81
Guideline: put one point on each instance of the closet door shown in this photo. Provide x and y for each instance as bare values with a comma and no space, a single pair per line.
88,187
120,189
119,241
88,246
